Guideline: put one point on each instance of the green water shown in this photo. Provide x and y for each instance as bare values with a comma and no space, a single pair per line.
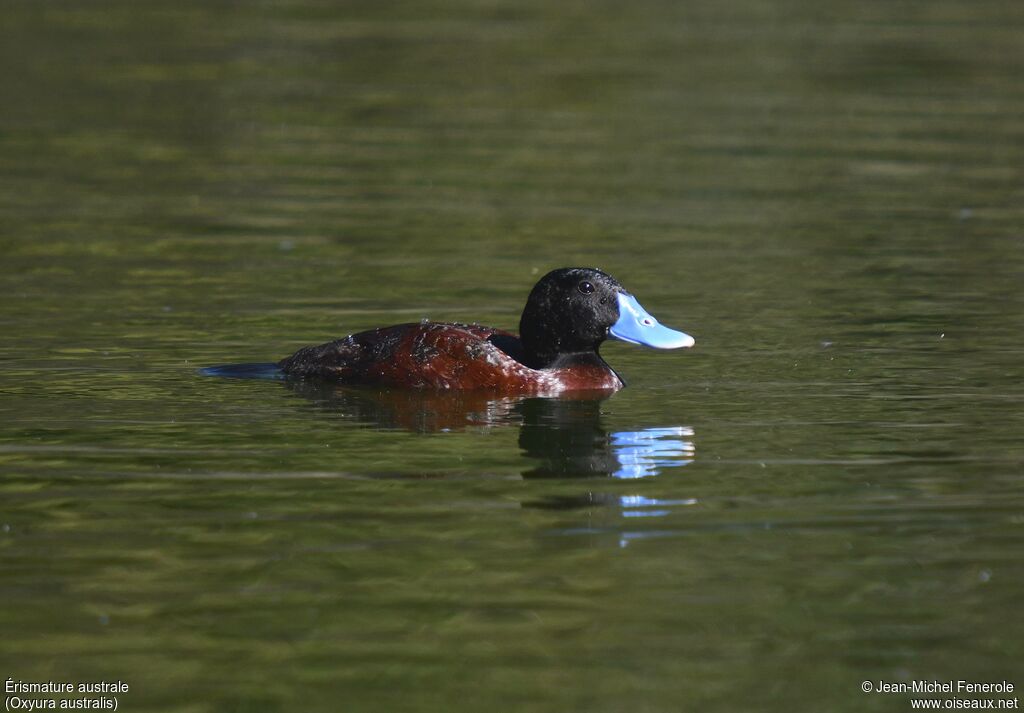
829,197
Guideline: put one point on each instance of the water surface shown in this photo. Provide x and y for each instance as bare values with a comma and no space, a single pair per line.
827,489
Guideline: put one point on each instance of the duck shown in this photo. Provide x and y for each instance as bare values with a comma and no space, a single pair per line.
569,313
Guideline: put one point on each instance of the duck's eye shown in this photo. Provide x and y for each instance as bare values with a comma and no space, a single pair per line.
585,287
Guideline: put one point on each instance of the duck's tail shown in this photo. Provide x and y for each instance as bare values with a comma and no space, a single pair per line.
245,371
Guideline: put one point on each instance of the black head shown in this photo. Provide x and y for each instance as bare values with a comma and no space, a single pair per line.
568,312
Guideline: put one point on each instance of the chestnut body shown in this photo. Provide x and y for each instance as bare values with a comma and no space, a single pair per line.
436,355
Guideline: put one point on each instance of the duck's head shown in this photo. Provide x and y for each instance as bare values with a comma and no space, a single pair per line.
573,309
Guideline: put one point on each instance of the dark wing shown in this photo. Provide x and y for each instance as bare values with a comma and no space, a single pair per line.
343,359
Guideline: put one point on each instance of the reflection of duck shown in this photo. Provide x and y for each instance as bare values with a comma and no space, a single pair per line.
564,436
568,439
416,410
569,313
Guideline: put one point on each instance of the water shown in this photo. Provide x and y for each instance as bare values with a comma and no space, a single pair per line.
826,490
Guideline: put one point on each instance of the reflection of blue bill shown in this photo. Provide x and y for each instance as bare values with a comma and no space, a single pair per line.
639,506
642,454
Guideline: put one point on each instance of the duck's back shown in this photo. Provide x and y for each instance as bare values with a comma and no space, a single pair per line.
415,355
